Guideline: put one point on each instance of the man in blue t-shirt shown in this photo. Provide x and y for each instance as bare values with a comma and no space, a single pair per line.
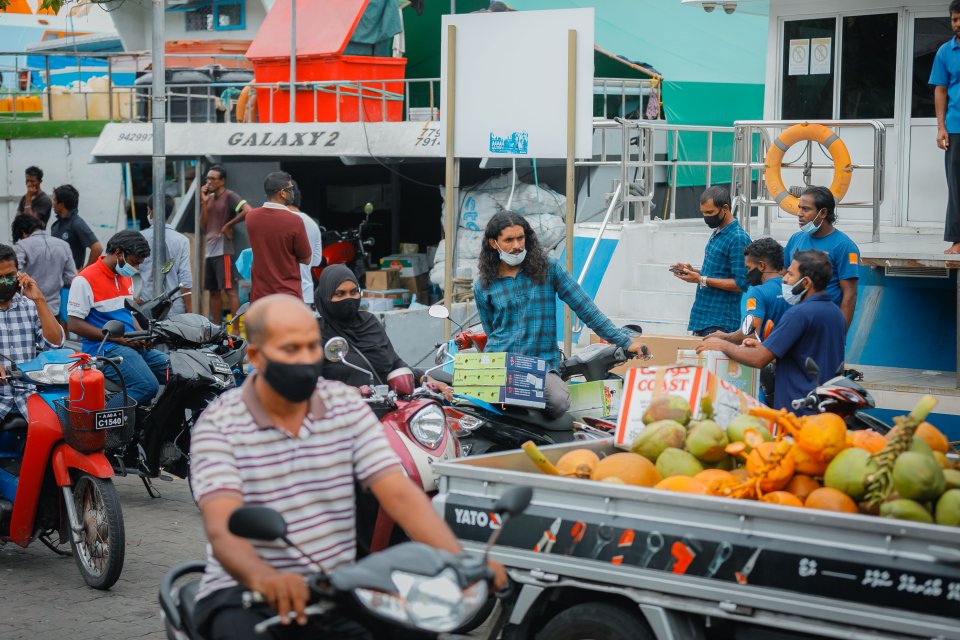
945,76
817,211
813,328
763,301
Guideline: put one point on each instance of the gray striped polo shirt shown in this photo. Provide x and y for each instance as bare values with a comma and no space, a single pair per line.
309,479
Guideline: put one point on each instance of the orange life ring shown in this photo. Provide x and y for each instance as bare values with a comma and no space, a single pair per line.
842,168
247,94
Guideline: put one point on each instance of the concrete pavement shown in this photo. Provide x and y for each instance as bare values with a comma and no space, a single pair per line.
42,595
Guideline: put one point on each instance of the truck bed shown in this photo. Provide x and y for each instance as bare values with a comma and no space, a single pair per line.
830,574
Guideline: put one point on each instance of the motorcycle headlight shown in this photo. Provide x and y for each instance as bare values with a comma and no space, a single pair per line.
58,374
427,426
432,603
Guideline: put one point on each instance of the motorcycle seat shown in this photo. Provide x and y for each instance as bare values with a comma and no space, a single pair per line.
537,419
12,423
73,345
187,605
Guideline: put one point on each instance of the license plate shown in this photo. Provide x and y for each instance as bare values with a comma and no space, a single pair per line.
108,419
219,366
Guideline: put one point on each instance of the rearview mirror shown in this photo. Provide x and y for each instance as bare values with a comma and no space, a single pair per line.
242,310
443,354
811,368
514,501
439,311
113,329
257,523
336,349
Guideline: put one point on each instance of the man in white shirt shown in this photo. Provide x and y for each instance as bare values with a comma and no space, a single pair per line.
316,247
178,250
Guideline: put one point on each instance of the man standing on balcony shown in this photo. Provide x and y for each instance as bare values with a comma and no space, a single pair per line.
817,212
945,76
220,210
723,278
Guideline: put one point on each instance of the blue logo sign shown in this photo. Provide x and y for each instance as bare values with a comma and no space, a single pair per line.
516,142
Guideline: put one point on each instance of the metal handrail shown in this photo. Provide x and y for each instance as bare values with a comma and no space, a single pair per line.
744,165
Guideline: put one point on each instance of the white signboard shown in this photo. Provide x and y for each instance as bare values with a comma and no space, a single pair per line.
799,52
381,139
820,61
511,83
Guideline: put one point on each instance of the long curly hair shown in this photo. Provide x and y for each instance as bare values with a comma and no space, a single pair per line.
535,265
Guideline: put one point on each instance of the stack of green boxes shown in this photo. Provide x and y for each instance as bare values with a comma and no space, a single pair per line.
503,378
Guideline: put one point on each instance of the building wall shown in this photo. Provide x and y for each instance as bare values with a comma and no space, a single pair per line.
64,161
133,23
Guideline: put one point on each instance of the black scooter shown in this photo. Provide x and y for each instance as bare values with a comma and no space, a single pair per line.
397,588
843,396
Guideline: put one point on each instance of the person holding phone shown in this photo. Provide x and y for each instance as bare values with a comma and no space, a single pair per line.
26,321
813,327
220,210
723,277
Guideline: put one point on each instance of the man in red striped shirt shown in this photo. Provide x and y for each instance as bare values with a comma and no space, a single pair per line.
296,444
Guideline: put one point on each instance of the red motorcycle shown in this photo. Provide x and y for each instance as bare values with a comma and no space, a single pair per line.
417,428
347,247
54,476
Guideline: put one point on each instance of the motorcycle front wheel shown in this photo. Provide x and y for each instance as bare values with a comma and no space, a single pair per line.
100,551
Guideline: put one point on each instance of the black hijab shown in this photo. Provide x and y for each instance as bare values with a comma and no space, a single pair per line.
363,331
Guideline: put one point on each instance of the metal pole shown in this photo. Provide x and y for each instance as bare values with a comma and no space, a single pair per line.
450,198
571,158
293,60
158,113
198,241
46,64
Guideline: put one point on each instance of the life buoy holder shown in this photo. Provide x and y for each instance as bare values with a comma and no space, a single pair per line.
842,168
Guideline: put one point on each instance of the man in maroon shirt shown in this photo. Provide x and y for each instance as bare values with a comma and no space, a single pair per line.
278,239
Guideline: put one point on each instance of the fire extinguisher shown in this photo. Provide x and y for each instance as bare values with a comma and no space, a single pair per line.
86,386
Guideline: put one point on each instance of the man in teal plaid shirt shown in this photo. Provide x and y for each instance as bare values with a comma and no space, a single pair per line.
516,296
723,278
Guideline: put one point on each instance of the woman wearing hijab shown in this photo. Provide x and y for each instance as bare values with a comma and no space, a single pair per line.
338,302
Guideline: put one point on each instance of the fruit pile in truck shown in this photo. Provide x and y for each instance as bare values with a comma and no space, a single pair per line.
767,526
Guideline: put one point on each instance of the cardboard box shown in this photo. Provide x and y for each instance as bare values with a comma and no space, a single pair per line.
662,348
416,284
517,397
400,297
599,398
745,378
643,384
500,360
383,280
479,377
409,264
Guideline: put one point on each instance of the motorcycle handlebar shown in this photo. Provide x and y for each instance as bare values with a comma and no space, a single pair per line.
135,335
808,402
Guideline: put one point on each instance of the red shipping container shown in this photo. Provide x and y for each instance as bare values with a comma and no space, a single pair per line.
326,31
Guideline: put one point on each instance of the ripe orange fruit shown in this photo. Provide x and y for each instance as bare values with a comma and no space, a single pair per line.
933,437
802,486
831,500
775,477
806,465
684,484
782,498
866,439
822,436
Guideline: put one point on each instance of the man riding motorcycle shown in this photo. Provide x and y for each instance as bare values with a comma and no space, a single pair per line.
296,444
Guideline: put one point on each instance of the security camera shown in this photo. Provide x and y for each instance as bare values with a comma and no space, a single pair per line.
729,7
710,6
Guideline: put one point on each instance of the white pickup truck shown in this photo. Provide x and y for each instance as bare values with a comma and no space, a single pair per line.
617,562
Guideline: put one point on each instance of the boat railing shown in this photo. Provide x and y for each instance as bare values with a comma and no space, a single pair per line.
753,139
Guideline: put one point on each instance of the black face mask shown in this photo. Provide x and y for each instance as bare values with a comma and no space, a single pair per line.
9,287
345,310
713,221
754,277
294,382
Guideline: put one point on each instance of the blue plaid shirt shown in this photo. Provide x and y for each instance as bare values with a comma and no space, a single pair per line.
20,334
520,315
723,258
